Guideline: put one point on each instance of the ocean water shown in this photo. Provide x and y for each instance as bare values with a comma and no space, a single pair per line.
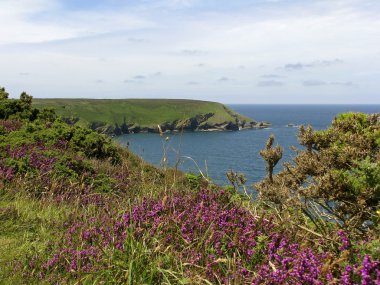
214,153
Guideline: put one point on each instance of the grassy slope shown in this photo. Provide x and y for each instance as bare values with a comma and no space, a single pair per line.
144,112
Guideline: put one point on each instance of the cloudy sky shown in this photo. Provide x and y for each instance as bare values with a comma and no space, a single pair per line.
231,51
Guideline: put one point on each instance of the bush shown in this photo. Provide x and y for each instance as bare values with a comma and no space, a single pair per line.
336,177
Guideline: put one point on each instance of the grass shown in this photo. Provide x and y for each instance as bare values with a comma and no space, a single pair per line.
27,227
143,112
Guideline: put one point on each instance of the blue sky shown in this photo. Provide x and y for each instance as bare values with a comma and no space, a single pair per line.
258,51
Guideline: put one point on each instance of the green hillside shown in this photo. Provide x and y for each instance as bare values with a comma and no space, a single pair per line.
146,113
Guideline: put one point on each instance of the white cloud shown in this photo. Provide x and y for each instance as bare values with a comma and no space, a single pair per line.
33,21
18,22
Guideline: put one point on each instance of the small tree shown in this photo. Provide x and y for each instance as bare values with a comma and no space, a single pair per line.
3,94
26,101
7,107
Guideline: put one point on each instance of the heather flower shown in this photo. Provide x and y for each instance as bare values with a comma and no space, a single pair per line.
344,240
261,253
10,125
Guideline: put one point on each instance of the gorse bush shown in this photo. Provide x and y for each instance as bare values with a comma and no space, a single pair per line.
336,177
21,108
76,209
30,125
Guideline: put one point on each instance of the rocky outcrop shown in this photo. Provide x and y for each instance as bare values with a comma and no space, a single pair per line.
192,124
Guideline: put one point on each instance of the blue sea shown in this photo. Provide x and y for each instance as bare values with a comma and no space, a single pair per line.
215,153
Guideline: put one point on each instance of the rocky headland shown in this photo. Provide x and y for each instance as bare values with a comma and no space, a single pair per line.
126,116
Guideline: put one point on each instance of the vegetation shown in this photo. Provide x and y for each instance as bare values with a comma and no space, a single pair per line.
121,116
335,178
75,208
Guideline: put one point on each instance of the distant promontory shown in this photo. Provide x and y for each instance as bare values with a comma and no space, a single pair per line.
123,116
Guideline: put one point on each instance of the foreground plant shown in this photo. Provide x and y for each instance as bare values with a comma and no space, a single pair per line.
336,177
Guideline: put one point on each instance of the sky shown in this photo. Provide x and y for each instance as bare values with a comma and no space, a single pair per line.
230,51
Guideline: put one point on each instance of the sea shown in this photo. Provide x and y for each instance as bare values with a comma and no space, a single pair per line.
213,154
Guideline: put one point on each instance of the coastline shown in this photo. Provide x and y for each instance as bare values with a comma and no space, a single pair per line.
133,129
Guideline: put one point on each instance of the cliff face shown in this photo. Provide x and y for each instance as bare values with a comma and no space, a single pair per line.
193,124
